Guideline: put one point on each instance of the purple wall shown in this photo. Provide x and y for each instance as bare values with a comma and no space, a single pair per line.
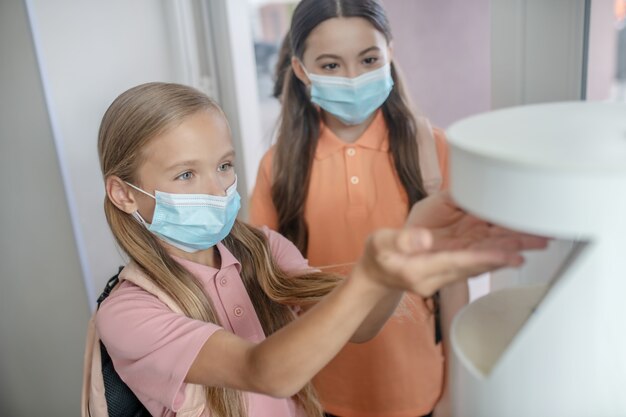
443,48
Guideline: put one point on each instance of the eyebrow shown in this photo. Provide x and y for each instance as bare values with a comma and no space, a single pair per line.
192,162
363,52
370,49
229,154
182,164
323,56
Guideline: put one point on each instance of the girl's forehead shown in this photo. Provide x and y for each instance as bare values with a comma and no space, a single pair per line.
343,34
203,133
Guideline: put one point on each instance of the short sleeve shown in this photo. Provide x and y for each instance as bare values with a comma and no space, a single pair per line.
262,209
286,254
151,346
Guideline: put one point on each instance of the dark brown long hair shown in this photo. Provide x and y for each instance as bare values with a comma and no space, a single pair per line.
131,122
299,124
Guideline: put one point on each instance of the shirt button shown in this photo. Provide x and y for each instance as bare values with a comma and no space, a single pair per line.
238,311
354,180
223,282
351,151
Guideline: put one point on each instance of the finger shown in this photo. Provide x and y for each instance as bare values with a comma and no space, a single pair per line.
414,240
407,240
429,287
530,240
464,263
504,243
437,282
521,240
462,266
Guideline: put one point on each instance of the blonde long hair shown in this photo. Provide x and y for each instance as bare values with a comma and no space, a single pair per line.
132,120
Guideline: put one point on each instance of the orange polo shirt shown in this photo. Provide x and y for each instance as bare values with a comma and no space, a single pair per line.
355,190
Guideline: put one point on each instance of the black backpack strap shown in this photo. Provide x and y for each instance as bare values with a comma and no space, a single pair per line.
437,313
121,401
111,283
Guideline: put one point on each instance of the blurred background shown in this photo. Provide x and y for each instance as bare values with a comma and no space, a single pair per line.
64,61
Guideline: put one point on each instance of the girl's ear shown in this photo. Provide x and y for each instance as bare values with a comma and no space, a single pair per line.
390,51
298,69
120,194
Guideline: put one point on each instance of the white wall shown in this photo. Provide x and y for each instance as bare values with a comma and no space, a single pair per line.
43,308
537,51
89,52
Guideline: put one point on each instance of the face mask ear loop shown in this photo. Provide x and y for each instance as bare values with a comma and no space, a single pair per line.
136,214
308,86
139,189
307,74
139,219
303,67
232,188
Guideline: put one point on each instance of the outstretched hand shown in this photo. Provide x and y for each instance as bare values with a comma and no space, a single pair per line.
441,244
454,229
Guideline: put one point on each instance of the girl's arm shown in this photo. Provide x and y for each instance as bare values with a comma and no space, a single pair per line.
377,318
393,261
289,258
284,362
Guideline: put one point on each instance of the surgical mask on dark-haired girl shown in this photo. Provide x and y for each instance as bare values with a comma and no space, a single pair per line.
192,222
352,100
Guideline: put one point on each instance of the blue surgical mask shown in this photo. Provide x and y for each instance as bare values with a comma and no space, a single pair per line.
352,100
192,222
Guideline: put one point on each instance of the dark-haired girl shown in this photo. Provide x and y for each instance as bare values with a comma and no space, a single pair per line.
351,157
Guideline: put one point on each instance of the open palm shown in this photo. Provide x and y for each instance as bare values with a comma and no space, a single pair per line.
454,229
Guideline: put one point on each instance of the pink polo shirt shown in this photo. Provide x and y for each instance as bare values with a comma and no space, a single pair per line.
153,347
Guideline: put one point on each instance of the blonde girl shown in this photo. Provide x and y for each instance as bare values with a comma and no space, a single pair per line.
204,320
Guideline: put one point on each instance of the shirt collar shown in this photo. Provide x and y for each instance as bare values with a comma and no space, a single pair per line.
375,137
228,259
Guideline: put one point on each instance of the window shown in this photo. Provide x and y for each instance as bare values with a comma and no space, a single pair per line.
270,22
606,69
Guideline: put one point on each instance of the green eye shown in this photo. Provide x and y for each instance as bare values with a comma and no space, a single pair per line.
225,167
